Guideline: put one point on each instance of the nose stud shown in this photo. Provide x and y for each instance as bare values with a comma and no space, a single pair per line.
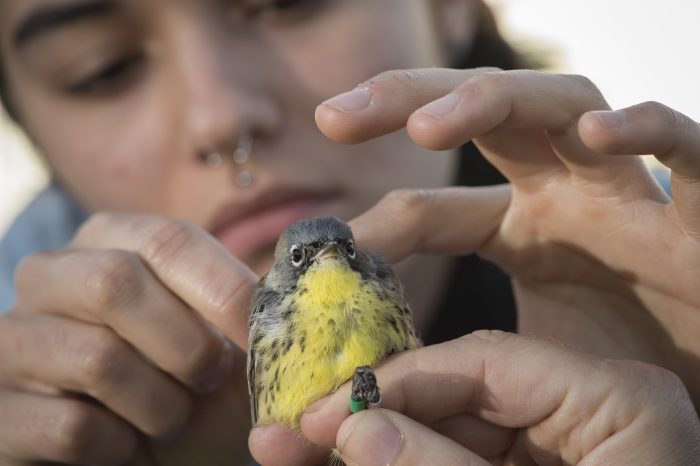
243,175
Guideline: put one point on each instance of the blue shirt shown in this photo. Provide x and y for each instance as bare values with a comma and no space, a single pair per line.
49,222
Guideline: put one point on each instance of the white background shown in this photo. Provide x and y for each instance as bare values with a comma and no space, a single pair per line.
634,50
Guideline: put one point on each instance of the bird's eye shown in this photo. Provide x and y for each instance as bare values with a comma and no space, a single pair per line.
350,249
297,255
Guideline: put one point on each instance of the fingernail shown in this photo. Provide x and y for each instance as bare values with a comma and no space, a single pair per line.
212,379
351,101
611,119
369,438
441,107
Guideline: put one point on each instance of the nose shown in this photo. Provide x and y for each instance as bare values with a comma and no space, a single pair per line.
220,88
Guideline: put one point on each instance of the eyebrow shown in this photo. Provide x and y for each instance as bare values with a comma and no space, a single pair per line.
45,18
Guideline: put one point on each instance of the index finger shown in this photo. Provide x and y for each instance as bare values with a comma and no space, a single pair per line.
447,220
383,103
190,262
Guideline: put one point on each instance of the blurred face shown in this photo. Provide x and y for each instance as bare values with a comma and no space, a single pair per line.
126,97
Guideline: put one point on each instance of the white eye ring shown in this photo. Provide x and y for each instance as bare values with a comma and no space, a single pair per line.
297,255
350,249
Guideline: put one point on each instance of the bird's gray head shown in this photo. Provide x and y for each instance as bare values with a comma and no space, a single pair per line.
315,239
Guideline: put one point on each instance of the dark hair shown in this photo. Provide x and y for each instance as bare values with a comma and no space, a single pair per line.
474,280
488,47
4,97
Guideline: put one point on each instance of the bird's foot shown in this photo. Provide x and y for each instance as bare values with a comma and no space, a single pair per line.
365,392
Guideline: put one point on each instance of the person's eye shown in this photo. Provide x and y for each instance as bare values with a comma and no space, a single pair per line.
282,9
111,78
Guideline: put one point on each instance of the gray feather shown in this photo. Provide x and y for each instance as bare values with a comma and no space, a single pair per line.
264,300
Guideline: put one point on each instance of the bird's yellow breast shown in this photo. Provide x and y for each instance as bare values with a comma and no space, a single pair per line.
338,321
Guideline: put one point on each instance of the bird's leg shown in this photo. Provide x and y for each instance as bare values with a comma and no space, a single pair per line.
365,392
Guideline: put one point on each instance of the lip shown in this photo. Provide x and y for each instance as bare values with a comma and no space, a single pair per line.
245,226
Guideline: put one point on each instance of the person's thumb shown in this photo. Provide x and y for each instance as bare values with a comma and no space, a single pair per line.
382,437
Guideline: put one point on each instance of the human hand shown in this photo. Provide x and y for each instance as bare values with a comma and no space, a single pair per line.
499,398
493,397
117,343
600,257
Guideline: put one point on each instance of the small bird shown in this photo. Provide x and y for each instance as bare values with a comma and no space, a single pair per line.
324,310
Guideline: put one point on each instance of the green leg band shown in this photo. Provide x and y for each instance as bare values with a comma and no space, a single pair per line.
357,406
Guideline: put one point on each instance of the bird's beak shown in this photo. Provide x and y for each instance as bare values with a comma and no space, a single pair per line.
329,251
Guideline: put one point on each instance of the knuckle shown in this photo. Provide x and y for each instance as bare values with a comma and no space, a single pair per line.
654,108
412,208
660,375
589,89
228,297
100,357
95,223
167,237
658,110
26,275
668,117
401,78
74,432
661,391
202,359
18,343
29,265
646,381
80,435
411,201
583,81
174,417
490,337
635,371
488,82
489,69
115,280
667,378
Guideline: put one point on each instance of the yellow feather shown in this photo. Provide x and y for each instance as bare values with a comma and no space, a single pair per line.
339,322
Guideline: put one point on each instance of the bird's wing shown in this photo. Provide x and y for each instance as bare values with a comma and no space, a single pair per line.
387,277
390,281
262,298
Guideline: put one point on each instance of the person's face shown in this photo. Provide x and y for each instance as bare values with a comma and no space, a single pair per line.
124,97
